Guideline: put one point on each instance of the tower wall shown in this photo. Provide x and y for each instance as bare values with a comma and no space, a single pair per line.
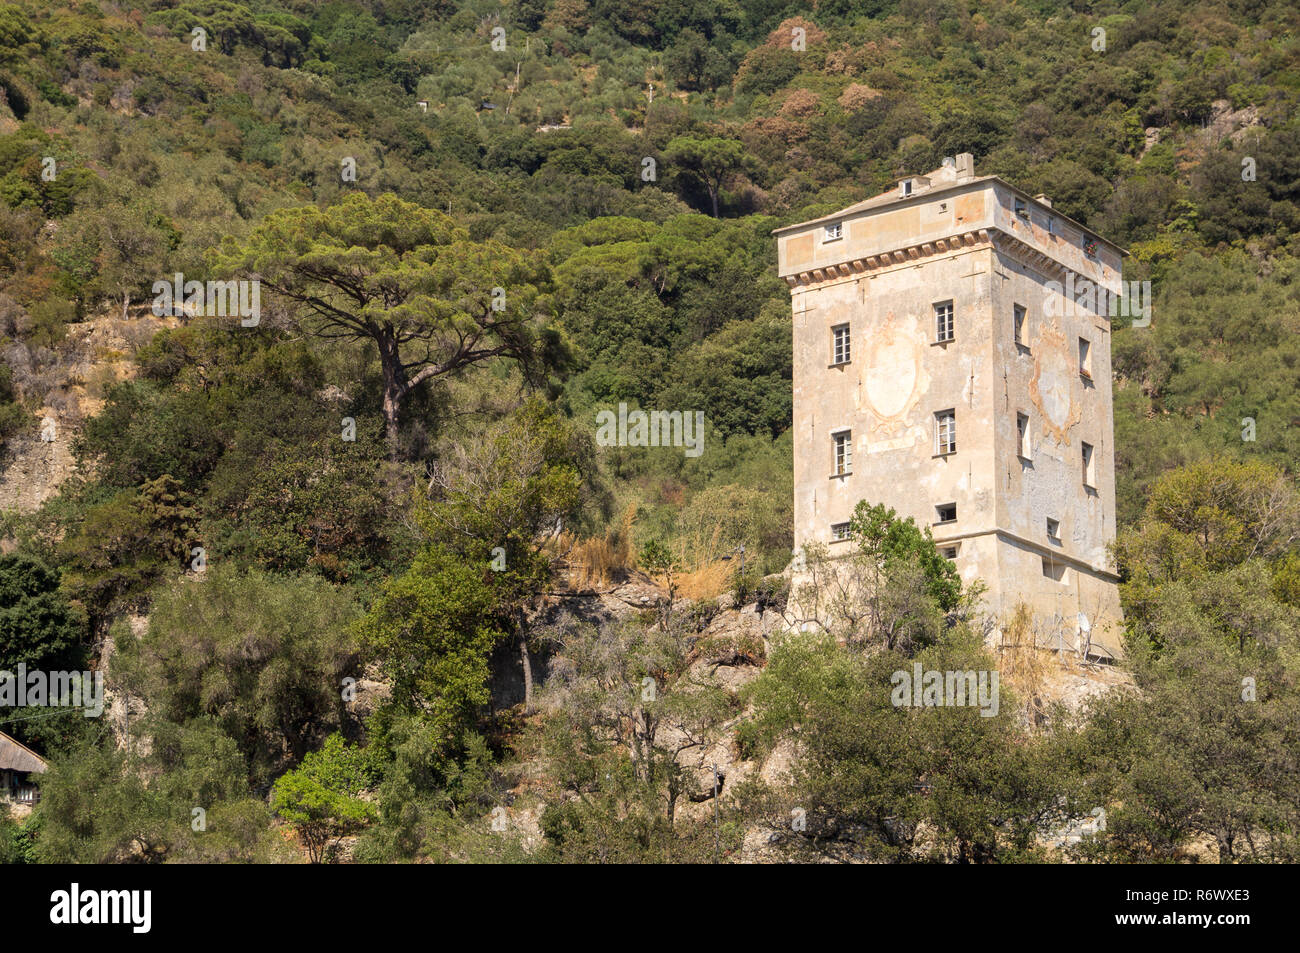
881,268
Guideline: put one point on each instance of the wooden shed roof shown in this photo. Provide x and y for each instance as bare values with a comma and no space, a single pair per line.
18,757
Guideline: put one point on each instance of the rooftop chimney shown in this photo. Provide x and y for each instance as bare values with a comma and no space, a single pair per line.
1043,199
965,166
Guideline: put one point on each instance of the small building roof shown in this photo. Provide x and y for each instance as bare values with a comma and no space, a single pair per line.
15,756
940,181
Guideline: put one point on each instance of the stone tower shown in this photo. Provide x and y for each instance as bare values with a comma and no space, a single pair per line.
952,360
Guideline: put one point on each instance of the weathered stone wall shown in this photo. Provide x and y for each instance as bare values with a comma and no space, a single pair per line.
986,248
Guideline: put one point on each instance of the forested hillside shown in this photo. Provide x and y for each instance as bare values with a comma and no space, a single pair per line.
318,553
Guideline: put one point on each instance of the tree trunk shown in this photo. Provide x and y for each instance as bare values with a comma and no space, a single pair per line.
126,303
528,674
395,388
391,406
713,194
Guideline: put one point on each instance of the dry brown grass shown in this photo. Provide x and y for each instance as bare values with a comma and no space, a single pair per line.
708,581
1023,663
595,561
703,573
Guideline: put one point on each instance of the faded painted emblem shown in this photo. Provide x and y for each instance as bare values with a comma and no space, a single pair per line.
896,377
1051,390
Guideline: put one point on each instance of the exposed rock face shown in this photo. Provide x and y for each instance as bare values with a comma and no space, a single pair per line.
31,470
69,382
1234,124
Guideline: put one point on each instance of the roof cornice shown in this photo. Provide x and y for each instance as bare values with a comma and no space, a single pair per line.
866,207
995,237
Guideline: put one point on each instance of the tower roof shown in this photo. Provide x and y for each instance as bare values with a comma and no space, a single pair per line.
954,175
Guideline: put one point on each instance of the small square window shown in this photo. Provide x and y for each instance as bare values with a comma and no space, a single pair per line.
1053,529
907,186
1085,358
945,432
843,452
946,513
1089,466
1018,315
949,552
943,322
840,344
834,231
839,531
1022,437
1022,210
1054,570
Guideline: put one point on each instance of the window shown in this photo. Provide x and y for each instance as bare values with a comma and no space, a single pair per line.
1054,570
907,186
840,344
1053,529
1051,226
945,432
1089,466
834,231
943,322
949,552
1085,358
843,452
1022,210
1018,315
1022,436
839,532
946,513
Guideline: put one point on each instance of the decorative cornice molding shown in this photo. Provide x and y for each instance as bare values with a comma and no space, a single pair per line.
907,254
1004,242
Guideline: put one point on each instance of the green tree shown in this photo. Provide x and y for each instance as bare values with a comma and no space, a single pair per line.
263,656
629,714
37,626
319,797
123,545
892,542
894,589
897,782
707,162
433,630
406,278
498,498
1211,536
96,810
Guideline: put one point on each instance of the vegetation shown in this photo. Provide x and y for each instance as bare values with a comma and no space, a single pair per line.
320,549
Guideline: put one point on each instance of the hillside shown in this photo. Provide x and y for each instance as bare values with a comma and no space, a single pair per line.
474,226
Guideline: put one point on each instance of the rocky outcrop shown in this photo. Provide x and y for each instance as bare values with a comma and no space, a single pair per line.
69,383
31,469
